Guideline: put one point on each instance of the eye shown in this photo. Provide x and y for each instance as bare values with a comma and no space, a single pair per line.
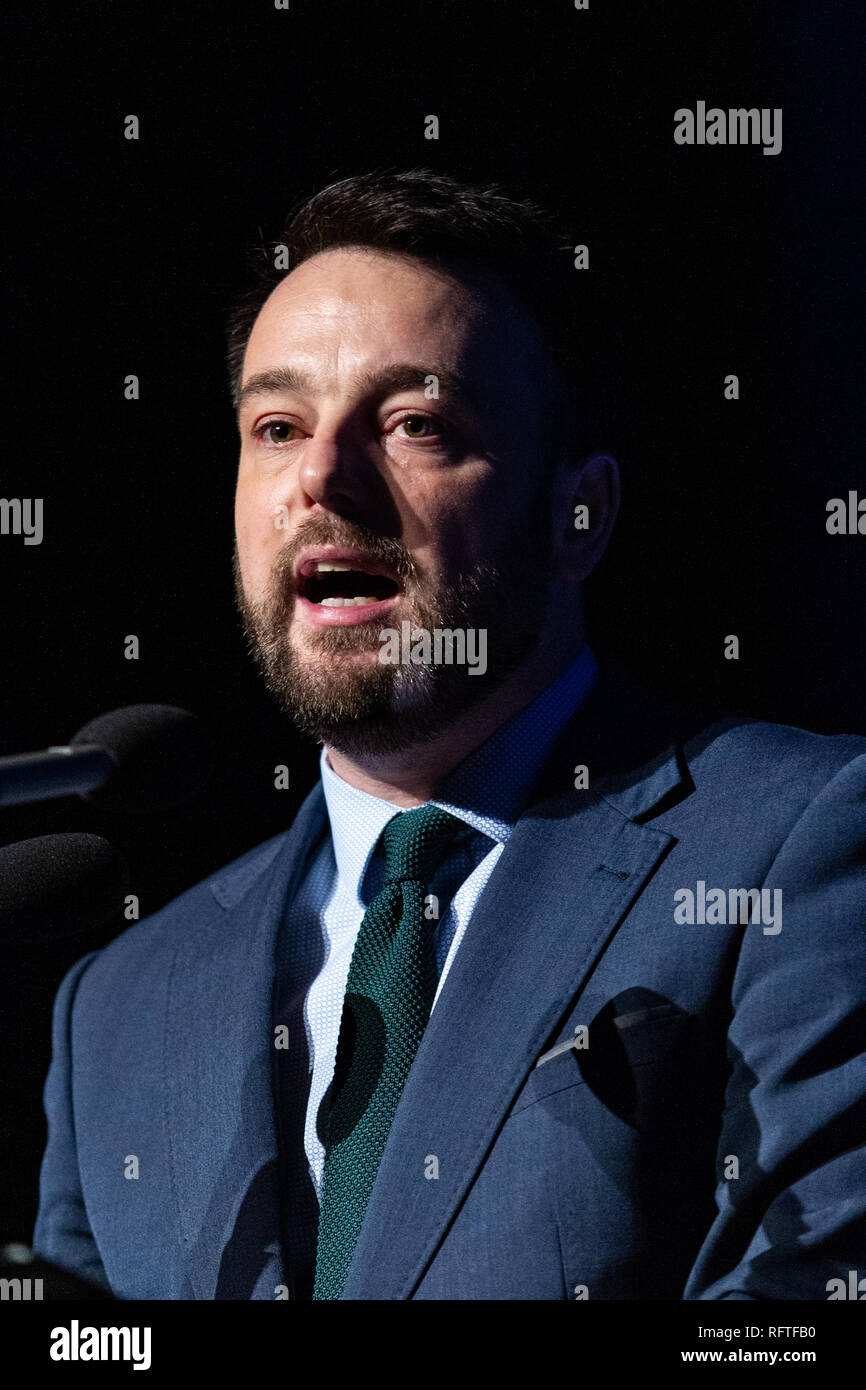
275,431
419,427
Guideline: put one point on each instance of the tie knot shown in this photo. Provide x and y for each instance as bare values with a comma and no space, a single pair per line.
413,841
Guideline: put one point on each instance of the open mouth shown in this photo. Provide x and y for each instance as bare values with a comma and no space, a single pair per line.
335,585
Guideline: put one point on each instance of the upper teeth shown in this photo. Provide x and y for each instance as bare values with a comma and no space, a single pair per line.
322,565
345,602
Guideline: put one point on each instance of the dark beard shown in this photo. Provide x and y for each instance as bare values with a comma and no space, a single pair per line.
378,708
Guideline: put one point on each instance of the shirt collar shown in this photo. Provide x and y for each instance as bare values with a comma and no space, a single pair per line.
488,789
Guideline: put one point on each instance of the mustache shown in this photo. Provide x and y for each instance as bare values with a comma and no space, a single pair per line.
337,531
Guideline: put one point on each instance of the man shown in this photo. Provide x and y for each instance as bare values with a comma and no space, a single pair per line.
545,994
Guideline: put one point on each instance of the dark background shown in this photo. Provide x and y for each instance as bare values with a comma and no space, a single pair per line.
124,257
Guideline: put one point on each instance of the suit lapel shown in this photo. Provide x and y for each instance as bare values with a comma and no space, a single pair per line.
569,873
217,1063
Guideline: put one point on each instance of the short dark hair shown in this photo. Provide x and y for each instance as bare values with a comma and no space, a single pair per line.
440,221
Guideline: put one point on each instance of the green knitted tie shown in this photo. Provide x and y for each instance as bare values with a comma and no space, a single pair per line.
389,994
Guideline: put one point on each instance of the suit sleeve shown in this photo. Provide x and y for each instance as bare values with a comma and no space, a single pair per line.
791,1162
62,1233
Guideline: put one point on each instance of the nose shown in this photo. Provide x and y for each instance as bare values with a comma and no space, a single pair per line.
336,474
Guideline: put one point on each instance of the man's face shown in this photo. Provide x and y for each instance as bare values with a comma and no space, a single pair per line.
392,425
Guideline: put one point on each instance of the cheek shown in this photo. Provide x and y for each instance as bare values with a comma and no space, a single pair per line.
257,533
473,524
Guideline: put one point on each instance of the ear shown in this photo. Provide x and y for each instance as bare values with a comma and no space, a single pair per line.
587,502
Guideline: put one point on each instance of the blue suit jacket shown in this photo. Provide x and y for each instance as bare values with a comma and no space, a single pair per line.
709,1142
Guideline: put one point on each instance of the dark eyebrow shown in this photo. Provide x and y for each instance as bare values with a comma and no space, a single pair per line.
401,376
409,376
277,379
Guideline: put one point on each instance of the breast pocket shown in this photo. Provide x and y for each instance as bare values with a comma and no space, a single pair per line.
633,1061
620,1136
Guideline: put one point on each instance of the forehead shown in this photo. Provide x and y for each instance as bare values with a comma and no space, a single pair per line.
353,307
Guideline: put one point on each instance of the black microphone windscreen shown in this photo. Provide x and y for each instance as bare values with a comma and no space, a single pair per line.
55,885
162,756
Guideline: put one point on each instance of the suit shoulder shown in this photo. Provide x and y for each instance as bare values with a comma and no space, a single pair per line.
146,949
778,758
194,909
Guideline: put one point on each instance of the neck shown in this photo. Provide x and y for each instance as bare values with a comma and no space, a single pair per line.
411,776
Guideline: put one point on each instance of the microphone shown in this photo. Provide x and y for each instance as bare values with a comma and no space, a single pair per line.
139,758
55,885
